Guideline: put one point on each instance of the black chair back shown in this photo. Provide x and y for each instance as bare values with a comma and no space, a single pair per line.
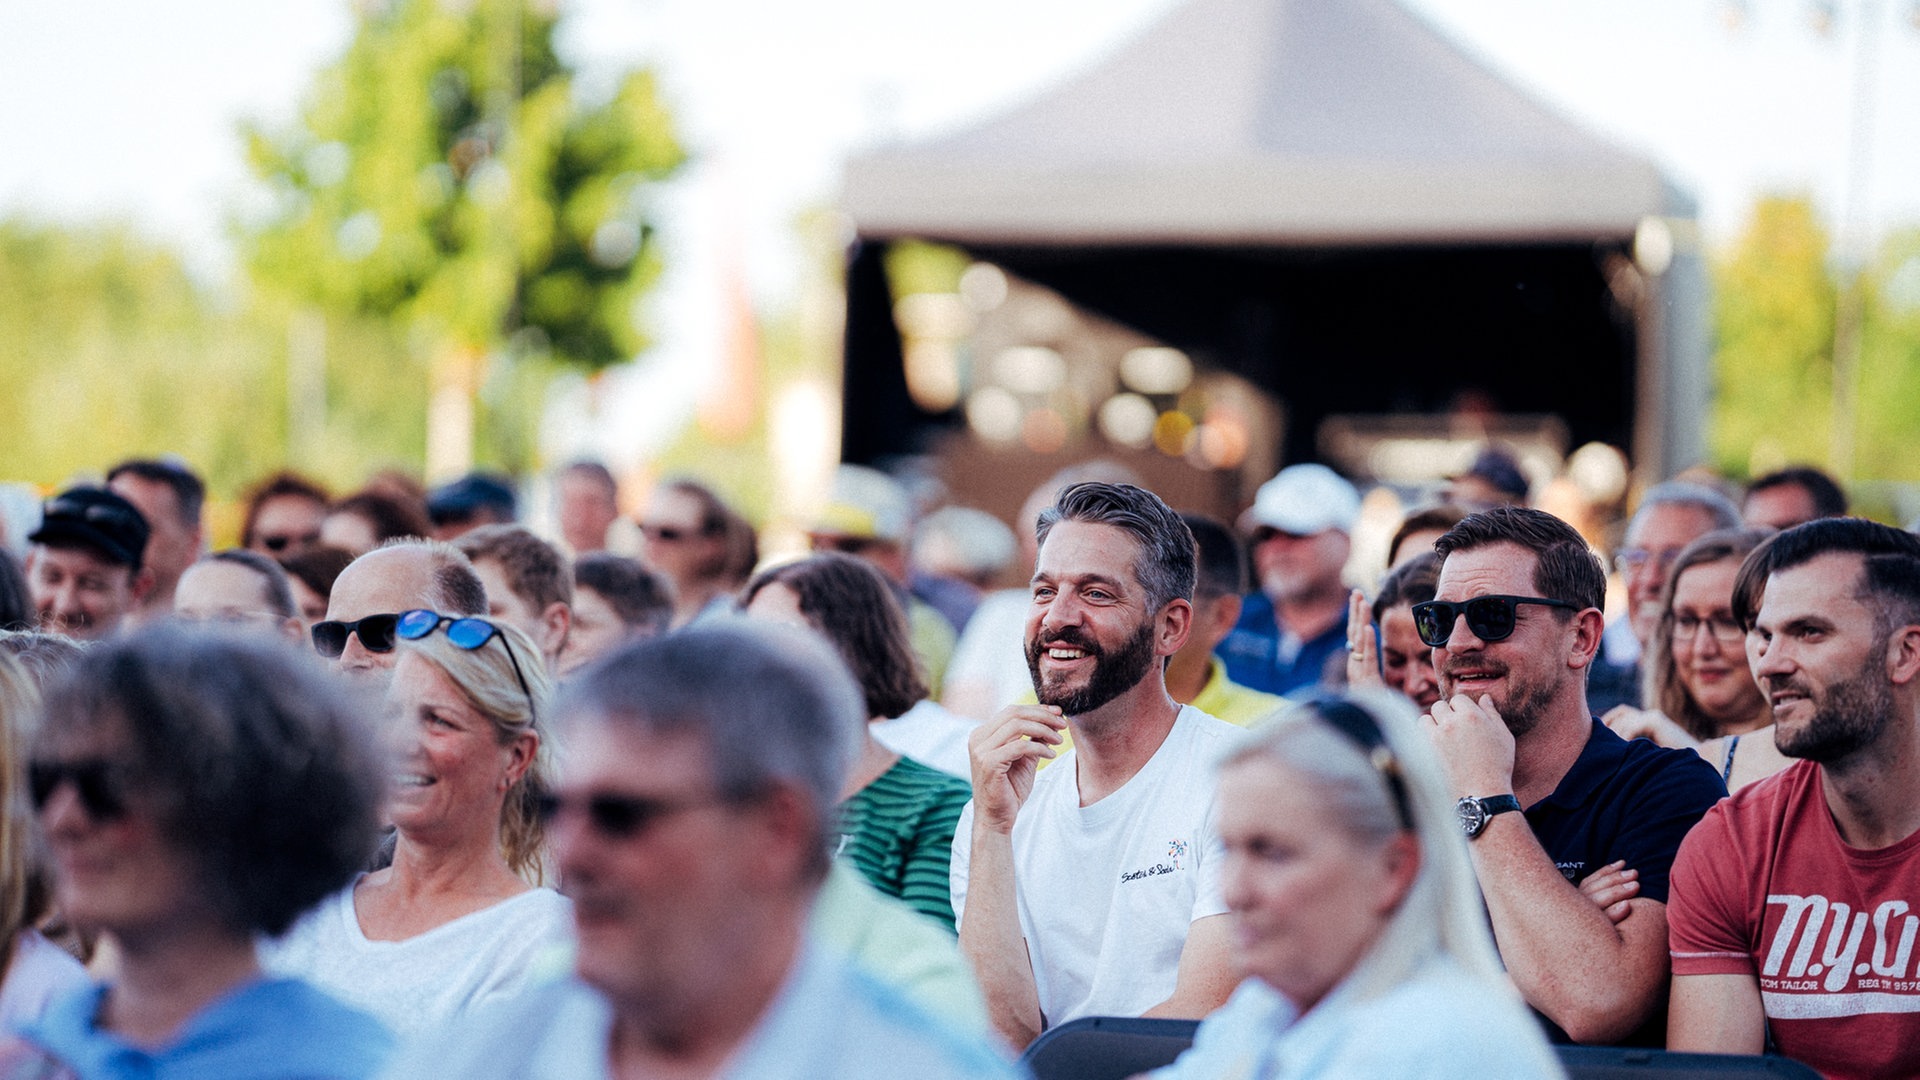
1107,1047
1626,1063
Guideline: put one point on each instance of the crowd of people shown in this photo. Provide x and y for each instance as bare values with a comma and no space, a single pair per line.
399,786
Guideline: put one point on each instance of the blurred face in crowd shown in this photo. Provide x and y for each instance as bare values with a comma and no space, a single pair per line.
1406,662
1653,541
349,531
1523,673
1709,653
227,592
452,771
1091,635
384,582
676,543
505,605
1308,898
597,630
663,872
1818,655
287,525
172,545
114,866
1781,506
587,510
79,592
1294,568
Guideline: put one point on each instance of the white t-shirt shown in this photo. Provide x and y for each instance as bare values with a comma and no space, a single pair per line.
430,978
39,972
1106,892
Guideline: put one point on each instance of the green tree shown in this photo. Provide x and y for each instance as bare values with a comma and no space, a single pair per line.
449,178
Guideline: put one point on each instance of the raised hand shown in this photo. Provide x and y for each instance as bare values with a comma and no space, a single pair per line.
1363,655
1005,753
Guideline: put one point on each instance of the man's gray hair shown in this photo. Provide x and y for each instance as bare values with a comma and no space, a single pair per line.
1717,506
774,705
1165,566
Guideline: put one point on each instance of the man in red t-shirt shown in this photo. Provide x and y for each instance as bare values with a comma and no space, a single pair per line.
1795,904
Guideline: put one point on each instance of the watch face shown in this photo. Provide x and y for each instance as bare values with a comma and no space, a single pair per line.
1473,817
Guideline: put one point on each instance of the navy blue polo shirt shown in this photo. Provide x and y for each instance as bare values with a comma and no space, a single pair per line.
1251,651
1625,800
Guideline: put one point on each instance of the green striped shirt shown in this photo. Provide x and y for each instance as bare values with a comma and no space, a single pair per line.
898,831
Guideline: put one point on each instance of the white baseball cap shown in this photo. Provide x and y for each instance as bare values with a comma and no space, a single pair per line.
1304,500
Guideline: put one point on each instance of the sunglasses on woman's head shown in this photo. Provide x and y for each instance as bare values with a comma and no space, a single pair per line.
467,633
95,781
1491,618
376,634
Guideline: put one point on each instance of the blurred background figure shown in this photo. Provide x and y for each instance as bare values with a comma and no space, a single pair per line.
1494,479
703,547
283,517
615,600
474,500
86,569
897,815
242,588
587,502
368,518
989,668
1296,621
1395,656
1419,530
963,547
312,573
870,517
1195,676
456,920
170,497
45,657
37,971
1792,496
1671,516
197,790
1700,691
1359,926
16,597
529,583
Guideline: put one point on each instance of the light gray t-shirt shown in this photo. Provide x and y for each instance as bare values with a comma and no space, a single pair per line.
427,980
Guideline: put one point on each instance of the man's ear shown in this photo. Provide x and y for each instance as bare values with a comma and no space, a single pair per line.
1176,625
1585,630
1903,655
555,622
141,584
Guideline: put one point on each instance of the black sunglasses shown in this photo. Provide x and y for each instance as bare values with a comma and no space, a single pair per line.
467,633
278,543
95,781
376,634
617,817
1491,618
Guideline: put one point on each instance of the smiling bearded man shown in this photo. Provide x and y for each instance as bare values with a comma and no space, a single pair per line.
1093,888
1514,626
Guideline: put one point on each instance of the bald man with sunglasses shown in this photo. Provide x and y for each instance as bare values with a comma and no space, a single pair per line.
1551,801
375,589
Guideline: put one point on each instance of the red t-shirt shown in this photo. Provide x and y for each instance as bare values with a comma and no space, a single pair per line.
1764,886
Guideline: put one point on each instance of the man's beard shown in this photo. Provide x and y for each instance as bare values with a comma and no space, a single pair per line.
1847,716
1526,701
1113,674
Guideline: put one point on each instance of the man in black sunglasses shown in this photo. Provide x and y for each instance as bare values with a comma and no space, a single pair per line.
357,636
87,569
1515,625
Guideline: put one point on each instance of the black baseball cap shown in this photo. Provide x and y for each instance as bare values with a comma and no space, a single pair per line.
96,518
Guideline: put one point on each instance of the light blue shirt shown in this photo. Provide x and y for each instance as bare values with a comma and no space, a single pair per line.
1440,1025
829,1020
269,1029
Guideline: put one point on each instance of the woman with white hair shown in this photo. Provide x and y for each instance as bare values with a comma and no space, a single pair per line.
1356,917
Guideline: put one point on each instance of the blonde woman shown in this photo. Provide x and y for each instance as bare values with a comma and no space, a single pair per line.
458,918
37,971
1356,918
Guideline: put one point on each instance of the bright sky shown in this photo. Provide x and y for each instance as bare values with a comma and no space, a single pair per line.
130,109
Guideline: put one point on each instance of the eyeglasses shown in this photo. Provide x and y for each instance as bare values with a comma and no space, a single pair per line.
467,633
1491,618
670,534
1722,627
95,781
1634,558
618,817
278,542
845,545
1360,726
376,634
1267,532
